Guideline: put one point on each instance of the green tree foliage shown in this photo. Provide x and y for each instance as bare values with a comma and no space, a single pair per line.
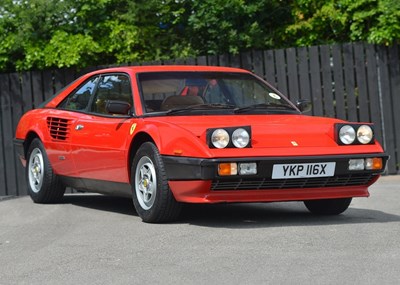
48,33
219,26
44,33
37,34
328,21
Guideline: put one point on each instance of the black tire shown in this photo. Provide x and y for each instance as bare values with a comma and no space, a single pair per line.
328,206
152,198
43,185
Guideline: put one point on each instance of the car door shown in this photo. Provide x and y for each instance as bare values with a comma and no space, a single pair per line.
60,123
100,141
58,141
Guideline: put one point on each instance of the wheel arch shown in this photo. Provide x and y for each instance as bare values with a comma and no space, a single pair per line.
28,140
138,140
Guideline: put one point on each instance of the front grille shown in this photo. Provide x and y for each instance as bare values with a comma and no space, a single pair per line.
59,128
267,183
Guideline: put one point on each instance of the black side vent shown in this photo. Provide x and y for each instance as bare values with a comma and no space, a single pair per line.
59,128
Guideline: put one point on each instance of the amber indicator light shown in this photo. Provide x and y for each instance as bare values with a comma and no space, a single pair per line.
225,169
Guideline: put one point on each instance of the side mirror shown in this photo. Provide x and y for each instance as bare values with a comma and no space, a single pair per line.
304,105
118,107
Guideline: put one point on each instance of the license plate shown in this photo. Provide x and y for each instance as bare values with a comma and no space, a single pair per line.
303,170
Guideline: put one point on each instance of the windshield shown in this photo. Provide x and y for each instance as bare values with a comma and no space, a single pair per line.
182,92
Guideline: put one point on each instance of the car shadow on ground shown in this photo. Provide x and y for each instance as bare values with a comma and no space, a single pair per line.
242,215
276,215
101,202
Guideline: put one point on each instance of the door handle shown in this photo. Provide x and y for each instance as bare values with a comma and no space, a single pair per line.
79,127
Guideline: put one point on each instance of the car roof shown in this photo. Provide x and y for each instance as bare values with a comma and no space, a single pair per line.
170,68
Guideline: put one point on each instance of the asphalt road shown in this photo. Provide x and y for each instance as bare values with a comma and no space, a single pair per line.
93,239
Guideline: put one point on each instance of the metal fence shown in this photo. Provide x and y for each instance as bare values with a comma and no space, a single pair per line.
354,81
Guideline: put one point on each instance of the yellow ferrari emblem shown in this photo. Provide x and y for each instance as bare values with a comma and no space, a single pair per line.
133,127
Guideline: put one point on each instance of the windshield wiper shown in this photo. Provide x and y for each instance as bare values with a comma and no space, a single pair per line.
200,107
264,106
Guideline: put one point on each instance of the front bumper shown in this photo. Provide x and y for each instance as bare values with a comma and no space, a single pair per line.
196,180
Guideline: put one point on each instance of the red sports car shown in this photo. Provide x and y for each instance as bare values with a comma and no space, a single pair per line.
167,135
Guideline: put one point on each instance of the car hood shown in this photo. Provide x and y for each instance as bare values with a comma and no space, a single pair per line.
268,131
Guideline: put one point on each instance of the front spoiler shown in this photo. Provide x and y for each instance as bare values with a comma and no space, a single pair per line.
199,192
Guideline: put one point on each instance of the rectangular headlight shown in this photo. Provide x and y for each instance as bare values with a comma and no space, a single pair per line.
356,164
249,168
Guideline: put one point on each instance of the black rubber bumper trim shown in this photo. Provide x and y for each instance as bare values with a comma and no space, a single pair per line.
19,147
188,168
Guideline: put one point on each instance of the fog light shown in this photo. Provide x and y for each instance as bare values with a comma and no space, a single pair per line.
356,164
373,163
248,168
225,169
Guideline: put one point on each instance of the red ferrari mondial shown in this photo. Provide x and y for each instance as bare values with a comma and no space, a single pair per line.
167,135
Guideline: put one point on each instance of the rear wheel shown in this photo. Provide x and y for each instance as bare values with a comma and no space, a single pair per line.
152,198
328,206
43,185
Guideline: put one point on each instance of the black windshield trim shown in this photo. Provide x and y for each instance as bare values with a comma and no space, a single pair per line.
266,106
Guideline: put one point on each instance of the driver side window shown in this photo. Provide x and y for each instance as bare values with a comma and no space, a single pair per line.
112,87
79,100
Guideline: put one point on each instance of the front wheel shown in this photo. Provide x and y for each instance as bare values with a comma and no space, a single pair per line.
328,206
44,186
152,198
